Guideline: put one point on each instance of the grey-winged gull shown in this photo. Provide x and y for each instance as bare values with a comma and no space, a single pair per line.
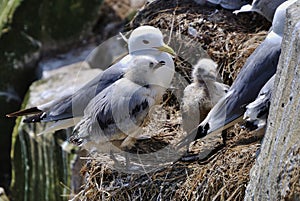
118,113
257,111
265,8
258,69
201,95
144,40
227,4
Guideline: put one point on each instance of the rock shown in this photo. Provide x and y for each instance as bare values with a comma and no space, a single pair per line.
137,3
40,162
107,52
36,28
60,82
7,9
275,175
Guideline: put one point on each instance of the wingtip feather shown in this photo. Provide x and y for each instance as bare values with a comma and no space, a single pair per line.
33,110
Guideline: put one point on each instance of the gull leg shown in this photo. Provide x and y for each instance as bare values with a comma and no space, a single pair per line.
112,156
127,161
224,136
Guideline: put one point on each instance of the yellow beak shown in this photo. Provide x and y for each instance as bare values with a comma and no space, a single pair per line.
166,48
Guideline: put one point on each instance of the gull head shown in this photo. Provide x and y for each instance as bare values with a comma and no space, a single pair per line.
279,17
205,70
146,70
147,37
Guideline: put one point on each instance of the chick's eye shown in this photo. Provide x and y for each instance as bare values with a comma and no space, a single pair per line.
145,41
151,64
162,62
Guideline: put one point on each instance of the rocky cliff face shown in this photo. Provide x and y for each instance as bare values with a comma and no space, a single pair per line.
276,173
30,30
42,163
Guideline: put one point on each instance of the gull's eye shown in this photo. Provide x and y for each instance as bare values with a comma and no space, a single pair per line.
151,64
146,42
162,63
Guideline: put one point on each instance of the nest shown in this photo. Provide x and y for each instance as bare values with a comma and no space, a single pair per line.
224,173
221,176
228,39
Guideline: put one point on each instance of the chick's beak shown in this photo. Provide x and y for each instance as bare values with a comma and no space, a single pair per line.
160,64
166,48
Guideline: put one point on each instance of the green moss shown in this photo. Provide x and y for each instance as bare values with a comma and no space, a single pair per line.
39,164
7,9
41,169
131,15
15,137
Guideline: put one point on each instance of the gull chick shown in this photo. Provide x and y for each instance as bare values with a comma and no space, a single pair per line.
117,114
201,95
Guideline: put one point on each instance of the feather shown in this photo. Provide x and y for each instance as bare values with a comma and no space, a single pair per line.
33,110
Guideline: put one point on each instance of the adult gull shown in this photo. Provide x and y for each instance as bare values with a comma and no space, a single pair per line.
258,69
257,111
144,40
265,8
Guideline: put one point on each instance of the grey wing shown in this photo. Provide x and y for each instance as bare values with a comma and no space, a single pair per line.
267,8
131,109
112,115
258,69
233,4
74,105
257,111
97,118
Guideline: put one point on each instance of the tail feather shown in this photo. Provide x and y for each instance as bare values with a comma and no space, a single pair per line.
63,124
34,118
33,110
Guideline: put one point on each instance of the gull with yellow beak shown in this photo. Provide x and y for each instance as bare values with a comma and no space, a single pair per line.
144,40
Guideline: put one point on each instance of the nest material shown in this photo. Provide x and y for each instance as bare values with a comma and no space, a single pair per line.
228,40
222,176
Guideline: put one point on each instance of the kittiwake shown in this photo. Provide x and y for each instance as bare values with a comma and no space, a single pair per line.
144,40
201,95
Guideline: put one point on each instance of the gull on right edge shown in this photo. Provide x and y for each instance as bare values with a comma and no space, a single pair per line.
265,8
258,69
257,111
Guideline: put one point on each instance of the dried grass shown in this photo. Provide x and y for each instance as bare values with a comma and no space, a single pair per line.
222,176
227,38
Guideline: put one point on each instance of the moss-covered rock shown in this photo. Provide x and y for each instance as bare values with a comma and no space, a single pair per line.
28,30
41,167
